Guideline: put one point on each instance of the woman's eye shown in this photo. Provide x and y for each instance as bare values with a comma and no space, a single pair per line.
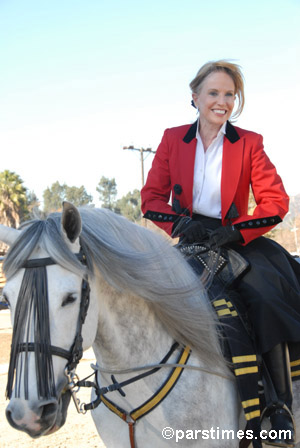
213,93
70,298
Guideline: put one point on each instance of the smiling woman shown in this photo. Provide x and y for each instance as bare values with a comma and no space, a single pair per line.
208,167
235,86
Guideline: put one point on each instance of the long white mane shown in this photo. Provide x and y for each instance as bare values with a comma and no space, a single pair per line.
131,259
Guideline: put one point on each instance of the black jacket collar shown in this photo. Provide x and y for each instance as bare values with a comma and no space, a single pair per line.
231,133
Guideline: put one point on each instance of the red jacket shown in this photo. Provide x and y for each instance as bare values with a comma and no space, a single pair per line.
244,163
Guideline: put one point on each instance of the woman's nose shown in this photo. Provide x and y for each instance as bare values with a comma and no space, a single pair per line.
221,100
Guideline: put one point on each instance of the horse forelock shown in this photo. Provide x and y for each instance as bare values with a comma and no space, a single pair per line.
41,234
131,259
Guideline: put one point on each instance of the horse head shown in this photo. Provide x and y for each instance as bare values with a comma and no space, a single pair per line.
46,298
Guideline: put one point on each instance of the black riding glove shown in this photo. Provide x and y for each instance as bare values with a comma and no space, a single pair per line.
224,235
191,231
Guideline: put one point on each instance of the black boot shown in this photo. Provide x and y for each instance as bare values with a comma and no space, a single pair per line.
278,364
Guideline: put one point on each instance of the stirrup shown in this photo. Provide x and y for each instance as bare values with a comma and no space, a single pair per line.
280,442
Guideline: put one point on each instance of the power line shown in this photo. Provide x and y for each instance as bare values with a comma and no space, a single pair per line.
141,151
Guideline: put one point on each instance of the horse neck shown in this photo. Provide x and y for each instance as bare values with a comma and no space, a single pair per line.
129,333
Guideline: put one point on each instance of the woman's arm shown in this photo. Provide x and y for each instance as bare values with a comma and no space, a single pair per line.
268,190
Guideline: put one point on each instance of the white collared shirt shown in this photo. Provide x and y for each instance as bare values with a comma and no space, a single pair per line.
207,176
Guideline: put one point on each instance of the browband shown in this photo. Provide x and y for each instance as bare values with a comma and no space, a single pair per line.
47,261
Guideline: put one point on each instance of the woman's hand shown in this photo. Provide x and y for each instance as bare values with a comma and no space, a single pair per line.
191,231
224,235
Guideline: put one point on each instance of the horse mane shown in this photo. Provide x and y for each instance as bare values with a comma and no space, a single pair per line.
132,259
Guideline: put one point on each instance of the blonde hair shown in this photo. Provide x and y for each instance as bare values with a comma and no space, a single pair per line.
233,70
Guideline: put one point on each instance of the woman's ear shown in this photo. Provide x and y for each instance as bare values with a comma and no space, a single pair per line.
195,98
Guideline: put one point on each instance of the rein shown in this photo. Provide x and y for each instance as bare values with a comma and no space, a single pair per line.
168,365
115,386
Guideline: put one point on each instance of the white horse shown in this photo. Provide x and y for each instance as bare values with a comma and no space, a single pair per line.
143,297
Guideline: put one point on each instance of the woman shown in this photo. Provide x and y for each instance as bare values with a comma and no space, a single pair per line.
208,168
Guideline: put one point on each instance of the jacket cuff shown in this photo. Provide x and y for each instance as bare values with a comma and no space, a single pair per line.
160,217
257,223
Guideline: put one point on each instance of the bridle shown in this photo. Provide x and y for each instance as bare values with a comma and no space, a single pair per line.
75,353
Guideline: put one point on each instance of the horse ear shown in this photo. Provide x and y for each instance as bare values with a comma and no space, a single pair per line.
71,221
8,235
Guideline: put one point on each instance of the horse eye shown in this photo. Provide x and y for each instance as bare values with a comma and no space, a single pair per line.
70,298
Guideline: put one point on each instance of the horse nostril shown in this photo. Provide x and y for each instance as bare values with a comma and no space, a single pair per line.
8,416
15,412
48,410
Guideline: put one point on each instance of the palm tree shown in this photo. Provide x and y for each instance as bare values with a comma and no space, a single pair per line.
13,199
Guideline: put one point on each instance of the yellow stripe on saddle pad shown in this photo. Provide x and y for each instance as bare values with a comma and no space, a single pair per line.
295,368
254,403
246,369
247,358
224,308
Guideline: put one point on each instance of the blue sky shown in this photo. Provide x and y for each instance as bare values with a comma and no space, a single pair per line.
81,79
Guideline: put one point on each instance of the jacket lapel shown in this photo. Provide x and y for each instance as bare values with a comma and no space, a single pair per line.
233,149
191,133
188,164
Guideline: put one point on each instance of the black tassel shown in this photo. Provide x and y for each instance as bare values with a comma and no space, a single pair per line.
32,317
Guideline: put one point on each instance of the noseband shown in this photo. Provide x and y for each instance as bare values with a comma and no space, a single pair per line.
73,355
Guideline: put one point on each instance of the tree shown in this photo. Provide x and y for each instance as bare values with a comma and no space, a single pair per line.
78,196
57,193
252,203
107,189
13,199
32,202
130,206
53,197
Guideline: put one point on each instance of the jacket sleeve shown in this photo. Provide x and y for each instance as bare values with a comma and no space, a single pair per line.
272,201
156,193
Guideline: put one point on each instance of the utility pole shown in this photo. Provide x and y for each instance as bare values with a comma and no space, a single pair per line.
141,151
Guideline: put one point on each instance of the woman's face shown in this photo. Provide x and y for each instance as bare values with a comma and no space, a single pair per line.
215,99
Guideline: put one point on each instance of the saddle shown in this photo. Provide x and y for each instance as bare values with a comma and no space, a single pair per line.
227,264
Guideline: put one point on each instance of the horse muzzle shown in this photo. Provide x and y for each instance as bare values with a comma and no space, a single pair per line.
38,418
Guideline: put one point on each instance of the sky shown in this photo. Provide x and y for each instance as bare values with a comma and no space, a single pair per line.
80,79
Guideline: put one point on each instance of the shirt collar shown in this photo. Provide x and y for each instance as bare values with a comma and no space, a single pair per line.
231,133
222,131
